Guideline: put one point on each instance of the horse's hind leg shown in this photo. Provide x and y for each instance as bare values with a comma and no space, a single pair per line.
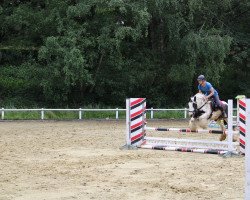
235,137
223,136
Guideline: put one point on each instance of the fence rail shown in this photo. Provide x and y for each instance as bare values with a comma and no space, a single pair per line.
82,110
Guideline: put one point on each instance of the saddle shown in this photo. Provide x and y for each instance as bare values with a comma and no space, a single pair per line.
223,108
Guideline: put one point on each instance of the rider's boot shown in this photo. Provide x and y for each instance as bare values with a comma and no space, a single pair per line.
223,113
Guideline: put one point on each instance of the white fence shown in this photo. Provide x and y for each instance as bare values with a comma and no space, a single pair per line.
82,110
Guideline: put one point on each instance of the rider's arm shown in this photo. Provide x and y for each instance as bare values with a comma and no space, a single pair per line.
199,88
211,92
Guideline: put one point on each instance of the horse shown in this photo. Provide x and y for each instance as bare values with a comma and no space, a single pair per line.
202,112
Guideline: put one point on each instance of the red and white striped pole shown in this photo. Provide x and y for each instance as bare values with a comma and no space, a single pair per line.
187,130
242,124
184,149
238,98
135,122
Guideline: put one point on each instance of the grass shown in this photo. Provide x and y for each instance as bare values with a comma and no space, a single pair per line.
34,115
167,115
74,115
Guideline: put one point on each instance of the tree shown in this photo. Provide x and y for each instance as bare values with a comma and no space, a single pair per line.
78,52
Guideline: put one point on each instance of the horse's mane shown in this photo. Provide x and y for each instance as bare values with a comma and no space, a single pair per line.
199,95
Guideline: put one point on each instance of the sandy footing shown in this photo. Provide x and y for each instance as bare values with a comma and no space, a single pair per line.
82,160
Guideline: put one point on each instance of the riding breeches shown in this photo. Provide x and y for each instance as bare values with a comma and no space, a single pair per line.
217,100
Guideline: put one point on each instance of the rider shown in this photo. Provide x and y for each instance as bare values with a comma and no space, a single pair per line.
207,89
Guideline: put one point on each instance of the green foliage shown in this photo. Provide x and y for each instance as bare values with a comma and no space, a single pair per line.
60,115
169,115
80,52
22,116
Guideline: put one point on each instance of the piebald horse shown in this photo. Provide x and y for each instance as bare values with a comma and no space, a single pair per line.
201,113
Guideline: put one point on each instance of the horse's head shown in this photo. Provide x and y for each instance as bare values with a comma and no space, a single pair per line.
197,105
200,99
191,105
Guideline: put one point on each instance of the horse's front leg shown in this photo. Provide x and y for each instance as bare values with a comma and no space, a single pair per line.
193,124
203,120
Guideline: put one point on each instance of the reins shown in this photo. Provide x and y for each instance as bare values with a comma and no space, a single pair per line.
202,105
198,110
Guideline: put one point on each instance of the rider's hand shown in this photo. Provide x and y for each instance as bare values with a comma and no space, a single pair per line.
206,98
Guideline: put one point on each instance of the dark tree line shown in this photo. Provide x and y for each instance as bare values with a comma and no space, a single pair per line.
72,53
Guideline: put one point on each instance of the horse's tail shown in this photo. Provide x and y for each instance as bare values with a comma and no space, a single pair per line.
224,106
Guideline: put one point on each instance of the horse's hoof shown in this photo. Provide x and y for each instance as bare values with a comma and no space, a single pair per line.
223,137
235,138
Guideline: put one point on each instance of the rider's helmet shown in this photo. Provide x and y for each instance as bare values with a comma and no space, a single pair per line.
201,78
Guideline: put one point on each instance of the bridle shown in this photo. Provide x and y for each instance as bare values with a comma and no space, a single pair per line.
197,112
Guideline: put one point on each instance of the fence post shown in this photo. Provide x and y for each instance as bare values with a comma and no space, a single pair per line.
239,97
80,113
2,113
230,125
152,113
42,114
247,154
117,114
237,114
185,113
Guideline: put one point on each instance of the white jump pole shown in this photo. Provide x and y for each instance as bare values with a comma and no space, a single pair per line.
247,151
230,126
128,136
